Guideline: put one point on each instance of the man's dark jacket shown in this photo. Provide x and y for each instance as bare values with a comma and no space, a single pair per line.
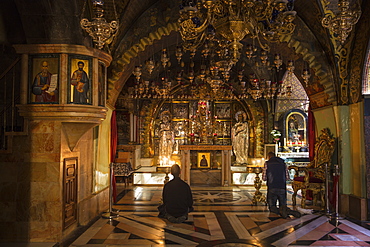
276,173
177,197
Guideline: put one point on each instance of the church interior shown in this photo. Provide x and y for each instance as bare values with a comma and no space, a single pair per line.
100,98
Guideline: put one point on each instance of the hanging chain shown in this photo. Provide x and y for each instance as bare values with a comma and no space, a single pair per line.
115,11
83,9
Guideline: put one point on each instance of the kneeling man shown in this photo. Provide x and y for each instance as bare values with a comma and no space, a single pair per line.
177,198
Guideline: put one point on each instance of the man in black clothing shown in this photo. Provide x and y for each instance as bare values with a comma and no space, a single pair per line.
276,175
177,198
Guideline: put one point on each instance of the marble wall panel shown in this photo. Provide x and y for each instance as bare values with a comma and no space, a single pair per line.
44,157
38,172
53,172
88,209
53,211
205,177
45,191
43,127
45,231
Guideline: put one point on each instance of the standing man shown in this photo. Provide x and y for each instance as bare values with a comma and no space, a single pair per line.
177,198
276,175
80,81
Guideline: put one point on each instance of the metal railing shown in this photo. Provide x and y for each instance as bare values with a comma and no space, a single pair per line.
10,120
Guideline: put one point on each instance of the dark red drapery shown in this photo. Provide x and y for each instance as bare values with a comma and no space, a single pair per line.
311,134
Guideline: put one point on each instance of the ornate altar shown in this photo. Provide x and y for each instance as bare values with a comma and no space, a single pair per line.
219,161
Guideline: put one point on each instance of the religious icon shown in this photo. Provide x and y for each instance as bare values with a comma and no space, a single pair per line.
296,129
44,87
80,81
204,160
222,110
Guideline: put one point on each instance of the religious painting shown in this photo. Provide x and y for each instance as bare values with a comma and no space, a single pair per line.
295,129
79,80
204,160
270,148
181,111
102,78
222,110
44,77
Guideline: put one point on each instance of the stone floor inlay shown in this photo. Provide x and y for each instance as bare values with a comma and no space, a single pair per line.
223,217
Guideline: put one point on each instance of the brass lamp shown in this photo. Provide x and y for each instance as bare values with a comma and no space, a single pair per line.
342,23
98,28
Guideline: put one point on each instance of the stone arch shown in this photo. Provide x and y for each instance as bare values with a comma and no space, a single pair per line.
123,66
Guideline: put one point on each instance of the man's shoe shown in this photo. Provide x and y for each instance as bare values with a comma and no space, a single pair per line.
181,219
295,213
171,219
283,212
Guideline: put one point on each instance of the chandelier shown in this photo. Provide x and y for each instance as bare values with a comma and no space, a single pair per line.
341,24
223,24
98,28
258,75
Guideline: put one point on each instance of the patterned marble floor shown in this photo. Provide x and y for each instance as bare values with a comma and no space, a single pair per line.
223,216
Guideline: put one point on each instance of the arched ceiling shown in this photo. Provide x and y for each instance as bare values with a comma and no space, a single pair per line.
146,26
306,46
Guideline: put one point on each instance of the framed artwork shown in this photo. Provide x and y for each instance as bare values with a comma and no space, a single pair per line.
223,129
102,81
295,128
44,79
270,148
181,111
204,160
222,110
80,81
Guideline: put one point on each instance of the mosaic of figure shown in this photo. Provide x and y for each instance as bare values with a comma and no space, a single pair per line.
240,138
